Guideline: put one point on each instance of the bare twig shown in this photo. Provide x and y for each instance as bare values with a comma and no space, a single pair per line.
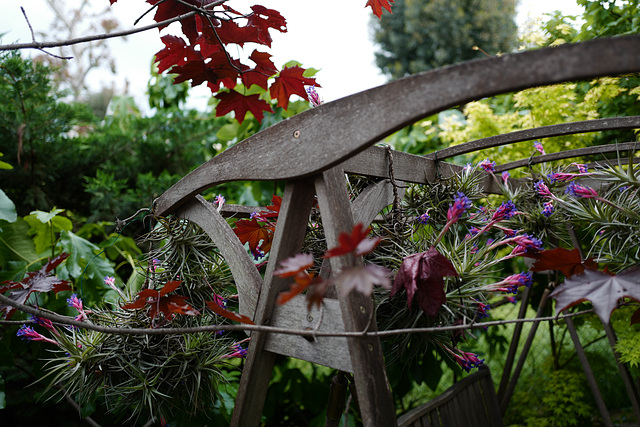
33,37
104,36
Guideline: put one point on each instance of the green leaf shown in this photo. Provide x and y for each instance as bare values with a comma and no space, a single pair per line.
15,244
5,166
7,208
45,217
84,265
44,225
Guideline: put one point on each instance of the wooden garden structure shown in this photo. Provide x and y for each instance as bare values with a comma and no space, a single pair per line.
314,150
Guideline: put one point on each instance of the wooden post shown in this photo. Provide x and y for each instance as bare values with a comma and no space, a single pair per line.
287,241
374,395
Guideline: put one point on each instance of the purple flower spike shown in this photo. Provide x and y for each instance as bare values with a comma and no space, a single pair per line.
548,209
542,189
488,165
582,168
505,211
30,334
314,98
423,219
505,176
75,302
578,190
460,204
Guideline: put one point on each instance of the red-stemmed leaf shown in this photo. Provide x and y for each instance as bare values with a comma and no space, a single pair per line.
273,210
569,262
291,266
160,302
362,279
234,101
377,5
422,275
221,311
254,233
601,289
290,82
175,52
34,281
355,242
259,75
301,282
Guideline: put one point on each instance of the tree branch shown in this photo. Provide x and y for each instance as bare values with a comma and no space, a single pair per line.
259,328
95,37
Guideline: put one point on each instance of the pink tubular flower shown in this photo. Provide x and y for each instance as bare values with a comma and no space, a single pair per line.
423,219
238,352
314,98
538,146
548,209
505,177
466,360
542,189
582,168
488,165
505,211
30,334
578,190
219,200
460,204
511,283
530,243
76,303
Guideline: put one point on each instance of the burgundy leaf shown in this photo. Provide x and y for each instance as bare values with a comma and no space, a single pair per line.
294,265
602,289
422,275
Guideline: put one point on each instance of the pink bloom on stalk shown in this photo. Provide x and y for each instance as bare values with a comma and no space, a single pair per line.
505,211
110,281
30,334
548,209
528,242
423,219
542,189
578,190
466,360
582,168
505,176
314,98
467,167
511,283
238,352
488,165
538,146
460,204
219,200
218,299
75,302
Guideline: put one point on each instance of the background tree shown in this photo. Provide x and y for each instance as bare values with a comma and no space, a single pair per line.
421,35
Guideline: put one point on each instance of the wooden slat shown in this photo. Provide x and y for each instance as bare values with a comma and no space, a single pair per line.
323,137
288,238
247,279
374,396
327,351
569,154
597,125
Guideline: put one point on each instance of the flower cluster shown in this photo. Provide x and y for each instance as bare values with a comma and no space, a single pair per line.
461,204
488,165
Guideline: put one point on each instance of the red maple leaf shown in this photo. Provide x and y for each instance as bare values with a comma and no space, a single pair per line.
294,265
290,82
160,302
231,315
170,9
259,75
377,5
262,19
602,289
354,242
175,52
234,101
34,281
273,210
567,261
255,234
302,281
423,275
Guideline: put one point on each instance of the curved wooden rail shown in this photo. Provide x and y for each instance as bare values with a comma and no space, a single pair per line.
325,136
597,125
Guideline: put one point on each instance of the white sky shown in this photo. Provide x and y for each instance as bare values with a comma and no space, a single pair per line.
330,35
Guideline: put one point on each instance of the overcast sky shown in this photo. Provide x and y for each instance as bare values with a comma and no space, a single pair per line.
330,35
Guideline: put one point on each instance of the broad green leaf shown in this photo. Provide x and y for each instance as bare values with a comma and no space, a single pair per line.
5,166
15,244
45,217
83,265
44,225
7,208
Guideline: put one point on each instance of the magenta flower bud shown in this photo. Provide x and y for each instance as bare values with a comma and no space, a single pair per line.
582,168
460,204
505,211
488,165
219,200
75,302
314,98
578,190
542,189
548,209
538,146
30,334
423,219
505,176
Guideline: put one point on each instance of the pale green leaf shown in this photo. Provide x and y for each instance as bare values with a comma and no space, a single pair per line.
7,208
